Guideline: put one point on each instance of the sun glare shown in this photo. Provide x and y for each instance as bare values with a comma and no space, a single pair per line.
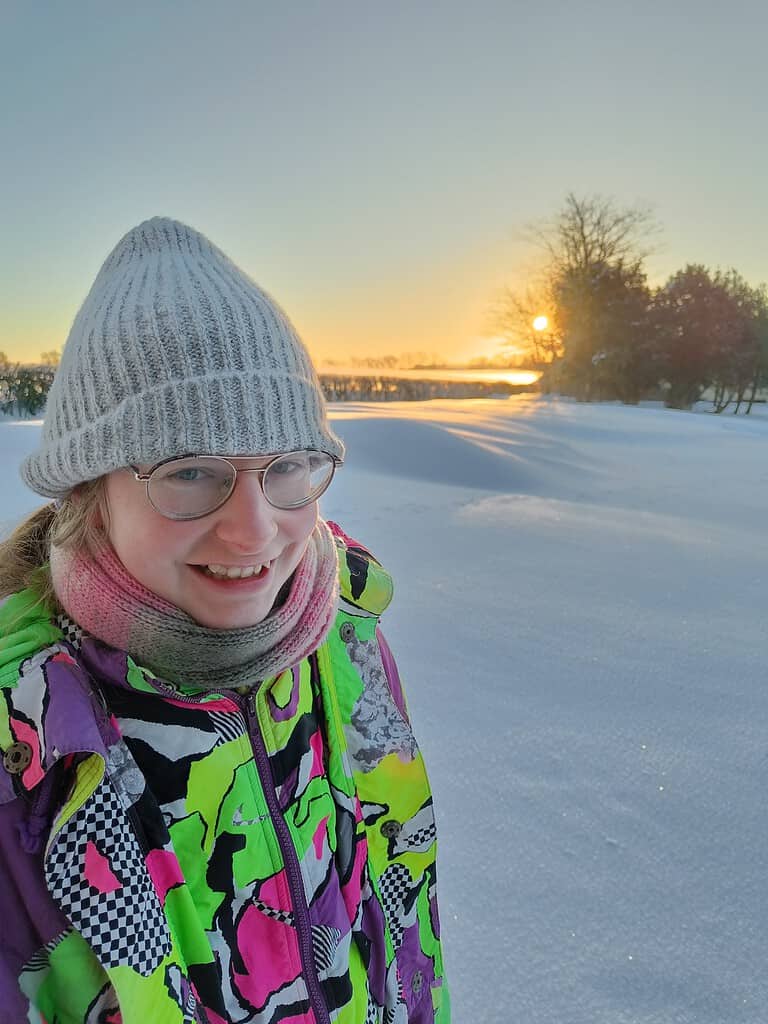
540,323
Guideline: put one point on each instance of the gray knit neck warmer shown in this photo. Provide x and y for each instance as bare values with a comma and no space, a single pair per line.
101,596
175,351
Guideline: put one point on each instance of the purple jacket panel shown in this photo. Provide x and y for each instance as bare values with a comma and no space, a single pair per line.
73,722
30,918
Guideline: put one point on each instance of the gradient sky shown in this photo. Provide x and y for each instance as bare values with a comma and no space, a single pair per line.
371,165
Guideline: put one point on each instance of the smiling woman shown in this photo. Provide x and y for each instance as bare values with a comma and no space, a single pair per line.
212,804
247,523
226,565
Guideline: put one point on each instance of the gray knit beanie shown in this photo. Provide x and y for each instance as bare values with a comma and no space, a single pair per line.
175,351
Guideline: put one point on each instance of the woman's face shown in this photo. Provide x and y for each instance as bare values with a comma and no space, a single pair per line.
173,558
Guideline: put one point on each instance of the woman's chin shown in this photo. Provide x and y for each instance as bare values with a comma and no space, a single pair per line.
250,614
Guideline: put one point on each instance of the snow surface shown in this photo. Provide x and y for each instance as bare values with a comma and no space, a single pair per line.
580,618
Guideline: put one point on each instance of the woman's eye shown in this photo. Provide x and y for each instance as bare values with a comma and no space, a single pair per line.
289,466
191,475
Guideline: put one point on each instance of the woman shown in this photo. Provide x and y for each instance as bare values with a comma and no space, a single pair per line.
213,807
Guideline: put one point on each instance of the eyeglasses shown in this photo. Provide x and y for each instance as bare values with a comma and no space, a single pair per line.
193,486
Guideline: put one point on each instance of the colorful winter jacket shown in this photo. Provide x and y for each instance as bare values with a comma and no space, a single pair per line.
172,856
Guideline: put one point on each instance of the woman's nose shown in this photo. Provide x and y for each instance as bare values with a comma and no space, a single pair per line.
247,520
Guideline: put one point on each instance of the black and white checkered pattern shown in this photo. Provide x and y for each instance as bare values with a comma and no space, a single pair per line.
73,634
394,885
422,837
125,928
373,1014
286,916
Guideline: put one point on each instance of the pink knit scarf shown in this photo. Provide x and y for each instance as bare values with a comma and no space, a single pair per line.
108,603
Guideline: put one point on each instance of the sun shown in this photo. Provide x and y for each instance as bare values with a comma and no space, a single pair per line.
540,323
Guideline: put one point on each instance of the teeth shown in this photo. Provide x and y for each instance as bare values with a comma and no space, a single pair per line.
234,572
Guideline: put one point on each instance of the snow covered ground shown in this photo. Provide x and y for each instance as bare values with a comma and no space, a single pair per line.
581,621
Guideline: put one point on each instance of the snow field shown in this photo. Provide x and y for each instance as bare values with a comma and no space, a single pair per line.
580,620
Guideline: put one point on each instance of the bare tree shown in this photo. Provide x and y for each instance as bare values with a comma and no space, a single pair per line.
591,240
515,315
591,231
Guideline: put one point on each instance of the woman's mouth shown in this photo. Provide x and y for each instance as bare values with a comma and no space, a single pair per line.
216,571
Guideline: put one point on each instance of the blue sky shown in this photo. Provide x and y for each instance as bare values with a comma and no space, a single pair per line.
370,165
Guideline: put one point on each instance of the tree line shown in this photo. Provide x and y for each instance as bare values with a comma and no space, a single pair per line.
382,388
24,389
610,335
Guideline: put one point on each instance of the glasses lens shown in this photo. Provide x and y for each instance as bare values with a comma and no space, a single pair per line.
185,488
297,478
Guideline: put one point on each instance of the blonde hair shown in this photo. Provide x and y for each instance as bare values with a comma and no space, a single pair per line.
77,523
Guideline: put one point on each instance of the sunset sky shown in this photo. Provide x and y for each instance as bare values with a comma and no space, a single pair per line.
371,165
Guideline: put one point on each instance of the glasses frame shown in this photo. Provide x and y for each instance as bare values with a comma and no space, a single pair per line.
145,478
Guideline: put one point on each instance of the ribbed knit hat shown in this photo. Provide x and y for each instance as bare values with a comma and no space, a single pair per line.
175,351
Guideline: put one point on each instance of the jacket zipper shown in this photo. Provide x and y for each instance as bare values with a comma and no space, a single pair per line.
285,842
292,867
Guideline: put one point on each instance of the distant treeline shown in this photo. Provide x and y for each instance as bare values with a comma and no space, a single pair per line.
382,388
23,389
